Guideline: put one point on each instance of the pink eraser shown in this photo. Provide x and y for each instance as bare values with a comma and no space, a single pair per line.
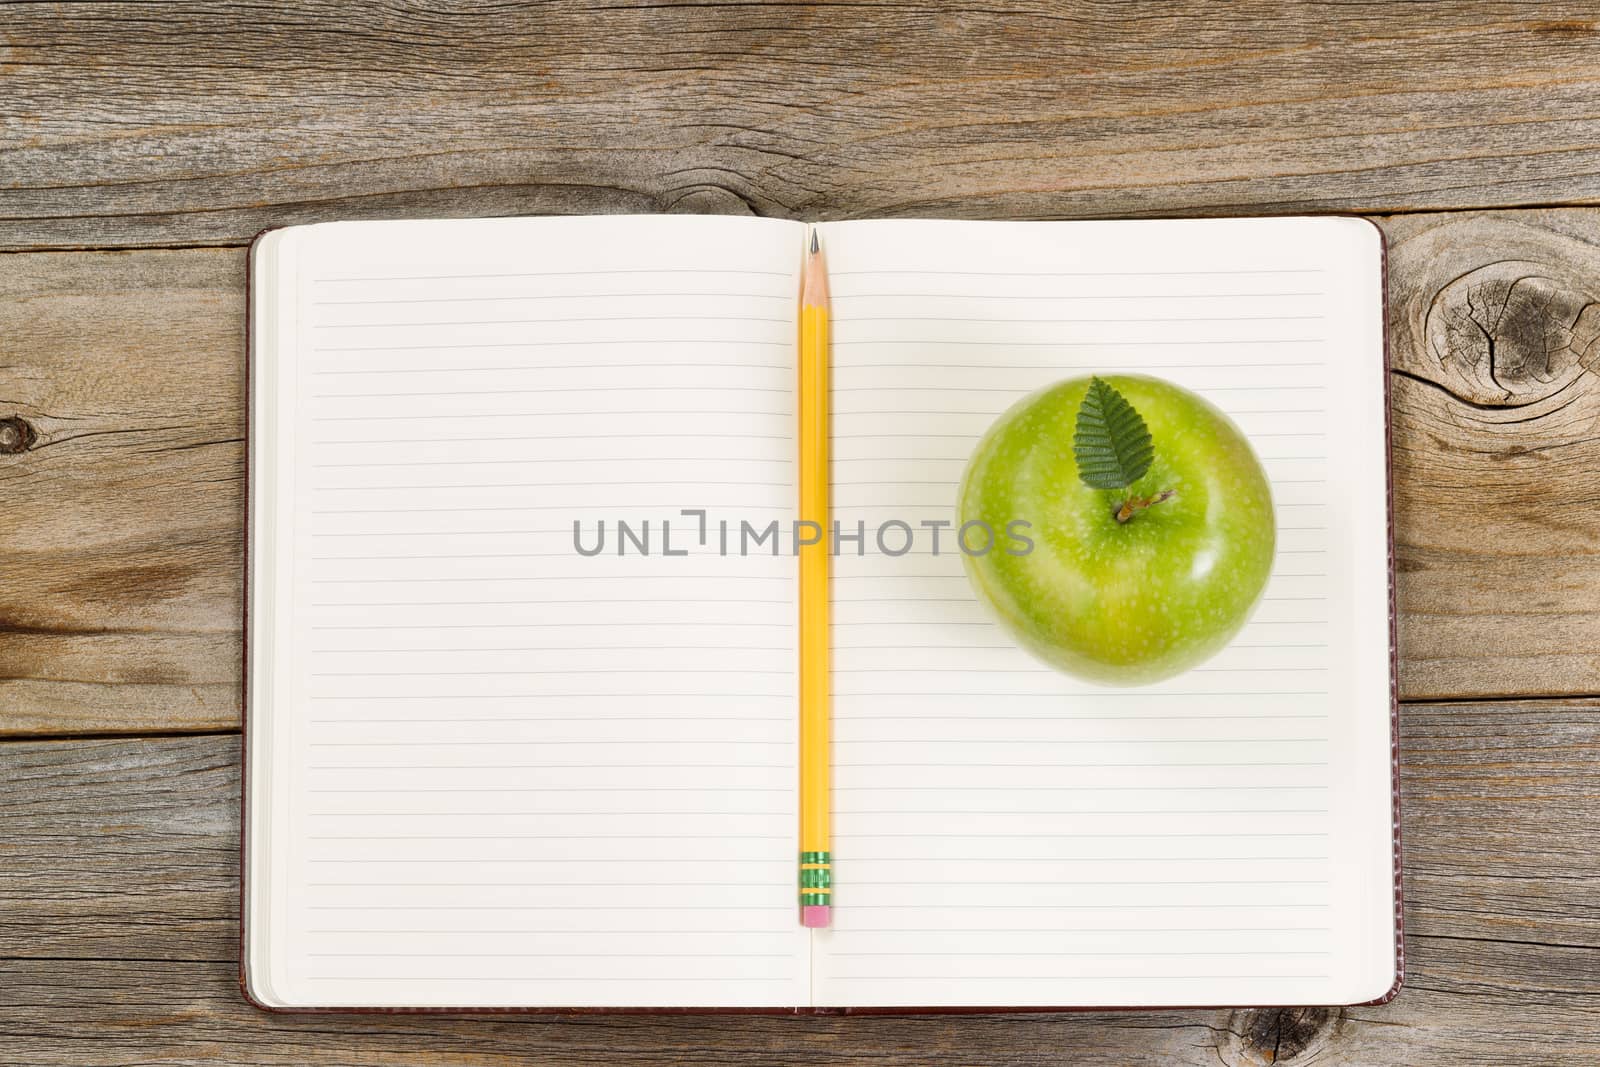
815,916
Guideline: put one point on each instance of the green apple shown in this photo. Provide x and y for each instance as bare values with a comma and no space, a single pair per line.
1132,583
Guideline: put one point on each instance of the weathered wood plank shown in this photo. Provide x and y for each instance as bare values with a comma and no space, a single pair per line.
120,849
120,542
1493,326
123,129
118,939
112,1013
121,517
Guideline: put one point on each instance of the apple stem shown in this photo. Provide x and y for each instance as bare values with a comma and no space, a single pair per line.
1135,504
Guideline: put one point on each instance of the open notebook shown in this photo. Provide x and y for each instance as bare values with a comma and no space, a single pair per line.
486,770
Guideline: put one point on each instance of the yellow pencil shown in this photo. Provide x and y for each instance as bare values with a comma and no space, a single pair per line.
816,857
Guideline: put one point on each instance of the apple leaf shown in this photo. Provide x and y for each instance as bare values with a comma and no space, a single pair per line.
1111,441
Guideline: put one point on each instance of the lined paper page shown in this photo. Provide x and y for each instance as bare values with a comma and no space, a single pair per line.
505,773
1006,835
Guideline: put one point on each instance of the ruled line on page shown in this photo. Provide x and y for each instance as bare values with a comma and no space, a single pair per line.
846,369
535,603
654,692
775,865
525,391
1032,978
501,297
382,325
987,906
534,416
1092,812
1004,954
538,931
937,342
528,837
1055,834
551,743
981,412
405,486
922,271
531,720
991,296
541,931
546,976
504,579
946,436
407,790
517,789
772,865
959,576
698,954
1273,716
537,507
1024,321
476,555
573,460
564,273
1102,696
1112,857
931,812
587,765
527,625
408,649
327,442
900,390
719,836
1321,716
942,623
1001,930
459,345
1053,672
548,907
1078,742
968,600
533,673
509,812
1058,765
389,370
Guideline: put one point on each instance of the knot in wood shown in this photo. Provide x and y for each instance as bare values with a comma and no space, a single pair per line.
1513,332
16,435
707,198
1262,1036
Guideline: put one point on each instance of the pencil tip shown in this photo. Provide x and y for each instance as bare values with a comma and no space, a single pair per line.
815,246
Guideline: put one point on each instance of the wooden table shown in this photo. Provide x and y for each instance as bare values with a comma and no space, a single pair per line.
142,147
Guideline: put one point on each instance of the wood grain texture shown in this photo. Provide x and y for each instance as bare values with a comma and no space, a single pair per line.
212,121
121,390
1494,323
119,937
121,507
